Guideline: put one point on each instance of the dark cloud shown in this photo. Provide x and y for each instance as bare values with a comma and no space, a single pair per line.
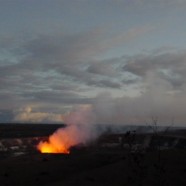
104,83
51,61
130,81
170,66
105,68
60,57
59,71
56,97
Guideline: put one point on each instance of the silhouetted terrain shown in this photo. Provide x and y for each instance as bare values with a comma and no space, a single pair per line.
17,130
143,159
96,168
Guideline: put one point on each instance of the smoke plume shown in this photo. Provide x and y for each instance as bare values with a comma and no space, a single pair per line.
80,130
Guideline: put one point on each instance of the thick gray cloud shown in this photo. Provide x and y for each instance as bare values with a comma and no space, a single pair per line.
130,81
49,61
105,68
50,71
161,92
57,97
56,54
104,83
169,66
59,70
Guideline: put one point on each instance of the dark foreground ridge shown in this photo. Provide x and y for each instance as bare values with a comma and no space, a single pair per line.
96,168
114,159
16,130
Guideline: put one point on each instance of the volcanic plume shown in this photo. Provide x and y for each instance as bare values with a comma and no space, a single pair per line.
79,130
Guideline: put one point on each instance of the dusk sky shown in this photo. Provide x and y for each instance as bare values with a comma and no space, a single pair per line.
123,60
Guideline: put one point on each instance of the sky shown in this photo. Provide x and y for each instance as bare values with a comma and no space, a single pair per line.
122,60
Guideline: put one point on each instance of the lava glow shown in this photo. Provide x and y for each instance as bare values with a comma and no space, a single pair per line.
47,147
77,132
61,141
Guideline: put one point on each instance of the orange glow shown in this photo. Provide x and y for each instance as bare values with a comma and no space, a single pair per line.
46,147
76,132
60,141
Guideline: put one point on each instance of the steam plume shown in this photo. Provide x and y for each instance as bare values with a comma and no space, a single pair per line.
79,130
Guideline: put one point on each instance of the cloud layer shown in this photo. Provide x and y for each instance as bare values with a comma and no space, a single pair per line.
119,62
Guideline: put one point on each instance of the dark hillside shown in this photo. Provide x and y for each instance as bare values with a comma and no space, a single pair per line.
18,130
